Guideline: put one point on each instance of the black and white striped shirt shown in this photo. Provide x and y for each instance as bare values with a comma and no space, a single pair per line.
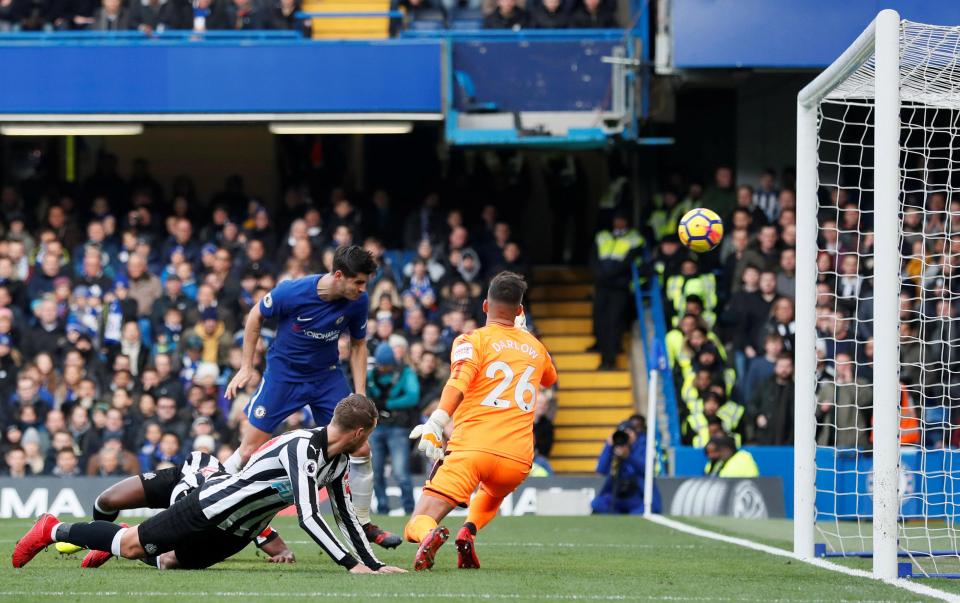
290,469
195,471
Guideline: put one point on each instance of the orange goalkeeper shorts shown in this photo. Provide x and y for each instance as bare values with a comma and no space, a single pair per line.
457,476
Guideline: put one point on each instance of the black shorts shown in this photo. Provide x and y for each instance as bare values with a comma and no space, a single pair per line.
184,529
210,547
158,486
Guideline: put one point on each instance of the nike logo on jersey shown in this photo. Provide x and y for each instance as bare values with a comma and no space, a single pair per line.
302,319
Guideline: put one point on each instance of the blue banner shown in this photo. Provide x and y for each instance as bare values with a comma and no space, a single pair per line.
221,76
929,479
783,33
929,486
535,74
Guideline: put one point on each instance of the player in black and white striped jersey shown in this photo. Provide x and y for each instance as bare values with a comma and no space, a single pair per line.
161,489
223,515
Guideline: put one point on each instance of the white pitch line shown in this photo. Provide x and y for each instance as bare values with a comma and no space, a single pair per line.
908,585
562,545
345,595
544,545
353,595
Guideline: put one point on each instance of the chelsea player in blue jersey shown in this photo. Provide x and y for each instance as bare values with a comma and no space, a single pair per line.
303,364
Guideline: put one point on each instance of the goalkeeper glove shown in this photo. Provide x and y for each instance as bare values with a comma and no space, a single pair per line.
521,320
431,434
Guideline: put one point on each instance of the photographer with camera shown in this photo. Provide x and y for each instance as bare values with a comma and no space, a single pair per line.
395,389
622,464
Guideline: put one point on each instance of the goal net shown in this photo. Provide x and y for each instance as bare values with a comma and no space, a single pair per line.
878,362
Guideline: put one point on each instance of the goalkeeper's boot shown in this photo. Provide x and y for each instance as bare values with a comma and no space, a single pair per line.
38,538
95,559
466,553
429,547
387,540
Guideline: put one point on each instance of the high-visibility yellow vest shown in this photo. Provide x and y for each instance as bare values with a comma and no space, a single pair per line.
673,342
689,392
610,247
729,379
720,347
741,464
663,221
696,424
729,414
704,286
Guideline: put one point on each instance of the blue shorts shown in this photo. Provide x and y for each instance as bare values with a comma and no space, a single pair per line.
274,401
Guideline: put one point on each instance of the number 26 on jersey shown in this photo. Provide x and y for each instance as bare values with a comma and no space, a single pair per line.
524,394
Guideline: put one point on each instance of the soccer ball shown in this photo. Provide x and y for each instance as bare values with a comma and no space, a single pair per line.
65,548
700,229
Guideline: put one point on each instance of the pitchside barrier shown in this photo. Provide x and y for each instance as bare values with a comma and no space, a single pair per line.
550,496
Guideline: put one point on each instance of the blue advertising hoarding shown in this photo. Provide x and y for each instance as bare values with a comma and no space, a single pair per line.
783,33
224,76
929,479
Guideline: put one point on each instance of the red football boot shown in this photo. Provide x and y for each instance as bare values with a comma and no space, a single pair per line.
381,537
429,547
466,553
95,559
34,541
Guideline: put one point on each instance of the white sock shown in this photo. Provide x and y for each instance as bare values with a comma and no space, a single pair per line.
233,466
53,532
361,486
115,545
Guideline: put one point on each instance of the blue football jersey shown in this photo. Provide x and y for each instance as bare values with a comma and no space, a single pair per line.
305,347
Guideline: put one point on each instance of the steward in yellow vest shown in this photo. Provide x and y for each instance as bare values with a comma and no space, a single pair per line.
690,283
617,248
665,217
713,410
725,460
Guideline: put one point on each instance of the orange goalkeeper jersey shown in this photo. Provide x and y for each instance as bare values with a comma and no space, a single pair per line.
499,371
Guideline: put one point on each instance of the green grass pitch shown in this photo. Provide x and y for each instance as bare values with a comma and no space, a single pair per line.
522,558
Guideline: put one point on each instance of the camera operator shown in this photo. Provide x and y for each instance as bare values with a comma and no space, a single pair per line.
395,389
622,463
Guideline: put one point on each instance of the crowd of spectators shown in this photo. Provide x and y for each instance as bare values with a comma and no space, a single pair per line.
515,14
552,14
731,311
149,16
156,16
122,302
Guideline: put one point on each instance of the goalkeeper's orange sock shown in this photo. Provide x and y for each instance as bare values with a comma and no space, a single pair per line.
418,527
483,508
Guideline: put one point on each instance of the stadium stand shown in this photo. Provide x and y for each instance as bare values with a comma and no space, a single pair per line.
320,19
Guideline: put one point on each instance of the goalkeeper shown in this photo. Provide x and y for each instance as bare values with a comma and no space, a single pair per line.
494,376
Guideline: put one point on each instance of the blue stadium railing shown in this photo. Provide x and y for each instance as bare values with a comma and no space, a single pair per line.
649,302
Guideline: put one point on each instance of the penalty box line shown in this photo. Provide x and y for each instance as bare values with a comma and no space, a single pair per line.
913,587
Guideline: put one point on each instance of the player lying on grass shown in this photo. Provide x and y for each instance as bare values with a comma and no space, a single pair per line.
303,364
495,374
160,490
218,519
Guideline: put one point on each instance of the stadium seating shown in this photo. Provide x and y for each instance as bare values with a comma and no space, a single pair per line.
353,27
589,404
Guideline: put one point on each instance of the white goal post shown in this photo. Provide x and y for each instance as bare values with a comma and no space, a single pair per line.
878,139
